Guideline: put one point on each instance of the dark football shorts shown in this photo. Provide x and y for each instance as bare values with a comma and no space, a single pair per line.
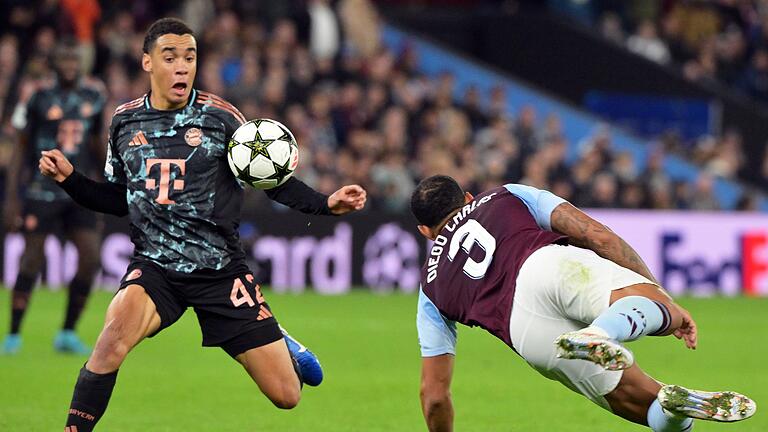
57,216
230,309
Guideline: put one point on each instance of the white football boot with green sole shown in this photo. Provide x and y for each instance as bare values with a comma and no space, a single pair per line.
593,344
725,406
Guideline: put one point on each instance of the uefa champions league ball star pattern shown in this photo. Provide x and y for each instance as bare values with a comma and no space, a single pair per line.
263,153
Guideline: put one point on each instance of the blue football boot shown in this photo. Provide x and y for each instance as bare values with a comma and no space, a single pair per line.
309,366
11,344
68,342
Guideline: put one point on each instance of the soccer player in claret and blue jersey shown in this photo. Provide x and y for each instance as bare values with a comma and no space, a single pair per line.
560,289
66,115
166,168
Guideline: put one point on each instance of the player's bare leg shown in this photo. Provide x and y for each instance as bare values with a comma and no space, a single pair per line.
29,268
87,244
634,311
271,368
131,317
633,395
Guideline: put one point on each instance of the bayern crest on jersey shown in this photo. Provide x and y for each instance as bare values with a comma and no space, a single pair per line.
193,137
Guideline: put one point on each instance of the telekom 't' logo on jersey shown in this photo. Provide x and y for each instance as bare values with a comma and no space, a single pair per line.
165,178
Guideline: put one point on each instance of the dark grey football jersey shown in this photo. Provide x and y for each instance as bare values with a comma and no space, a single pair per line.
184,202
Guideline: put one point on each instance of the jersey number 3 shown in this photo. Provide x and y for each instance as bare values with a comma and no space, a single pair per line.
466,237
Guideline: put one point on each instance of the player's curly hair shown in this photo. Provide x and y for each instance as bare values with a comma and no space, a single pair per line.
164,26
435,198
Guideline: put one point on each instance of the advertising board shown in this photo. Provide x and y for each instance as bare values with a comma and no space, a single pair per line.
689,252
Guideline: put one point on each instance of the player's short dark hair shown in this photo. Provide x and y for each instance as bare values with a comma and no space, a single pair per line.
164,26
435,198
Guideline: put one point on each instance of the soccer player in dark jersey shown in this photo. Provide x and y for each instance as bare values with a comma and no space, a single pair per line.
166,168
531,269
66,116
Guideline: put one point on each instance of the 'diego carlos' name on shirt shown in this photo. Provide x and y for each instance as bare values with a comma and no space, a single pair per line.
441,240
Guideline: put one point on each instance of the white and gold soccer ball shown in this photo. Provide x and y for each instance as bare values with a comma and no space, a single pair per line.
263,153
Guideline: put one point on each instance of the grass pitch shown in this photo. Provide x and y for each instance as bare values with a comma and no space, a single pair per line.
368,347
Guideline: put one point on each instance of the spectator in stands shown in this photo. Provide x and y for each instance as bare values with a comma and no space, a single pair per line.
681,195
498,105
361,24
604,191
655,175
671,32
748,202
646,42
660,195
632,196
471,104
552,129
624,168
324,30
703,196
611,29
563,188
764,170
699,21
728,157
9,63
730,47
488,137
703,68
535,172
553,154
393,183
754,79
83,16
525,130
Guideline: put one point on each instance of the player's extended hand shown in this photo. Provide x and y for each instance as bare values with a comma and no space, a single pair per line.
347,199
55,165
687,331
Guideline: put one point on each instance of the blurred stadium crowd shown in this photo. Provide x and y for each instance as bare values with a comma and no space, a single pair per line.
720,41
715,43
360,112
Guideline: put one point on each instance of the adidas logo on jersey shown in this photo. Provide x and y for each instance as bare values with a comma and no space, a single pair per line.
138,139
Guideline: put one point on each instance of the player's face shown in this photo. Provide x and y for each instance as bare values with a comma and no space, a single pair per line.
68,67
172,65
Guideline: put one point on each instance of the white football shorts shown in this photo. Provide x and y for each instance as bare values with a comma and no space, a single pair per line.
562,289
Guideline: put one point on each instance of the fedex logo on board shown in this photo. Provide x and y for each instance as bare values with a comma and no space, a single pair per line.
741,266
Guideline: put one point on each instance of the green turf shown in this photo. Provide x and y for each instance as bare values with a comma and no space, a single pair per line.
368,347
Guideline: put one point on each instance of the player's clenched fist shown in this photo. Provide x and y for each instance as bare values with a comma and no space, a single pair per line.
54,164
347,199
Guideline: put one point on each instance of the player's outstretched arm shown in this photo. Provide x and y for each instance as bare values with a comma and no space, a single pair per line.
297,195
103,197
436,404
585,232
